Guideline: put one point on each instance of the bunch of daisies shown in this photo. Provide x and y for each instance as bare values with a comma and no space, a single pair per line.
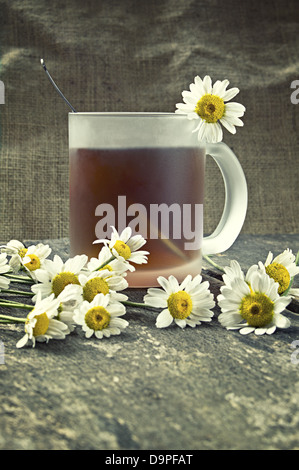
75,292
88,293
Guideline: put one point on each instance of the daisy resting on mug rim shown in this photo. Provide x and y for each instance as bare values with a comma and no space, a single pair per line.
207,103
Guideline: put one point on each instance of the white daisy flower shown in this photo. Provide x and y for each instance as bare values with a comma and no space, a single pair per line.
252,304
125,247
102,282
4,268
41,325
234,271
69,299
31,258
34,258
116,265
13,247
101,317
208,104
188,303
56,274
282,269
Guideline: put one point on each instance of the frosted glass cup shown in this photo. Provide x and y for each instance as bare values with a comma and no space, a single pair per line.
147,171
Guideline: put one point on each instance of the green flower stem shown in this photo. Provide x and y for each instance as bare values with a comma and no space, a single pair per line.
8,319
18,292
137,304
105,264
15,278
208,259
11,303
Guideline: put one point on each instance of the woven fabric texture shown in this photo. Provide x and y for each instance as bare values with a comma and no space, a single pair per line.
132,55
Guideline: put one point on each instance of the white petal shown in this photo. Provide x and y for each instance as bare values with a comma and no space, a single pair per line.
165,284
294,291
180,323
235,121
269,258
57,262
157,302
139,257
207,84
173,283
230,94
247,330
88,333
156,292
118,323
228,126
281,303
23,341
219,88
76,264
260,331
281,321
136,242
234,109
42,275
271,330
126,234
199,85
98,334
164,319
116,309
201,129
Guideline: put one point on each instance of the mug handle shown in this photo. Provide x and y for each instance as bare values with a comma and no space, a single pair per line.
235,206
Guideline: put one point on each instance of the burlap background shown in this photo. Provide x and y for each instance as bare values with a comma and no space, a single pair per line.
135,55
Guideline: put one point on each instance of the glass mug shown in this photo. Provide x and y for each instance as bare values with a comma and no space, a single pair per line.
146,171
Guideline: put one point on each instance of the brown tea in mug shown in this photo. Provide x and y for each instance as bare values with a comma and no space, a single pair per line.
172,178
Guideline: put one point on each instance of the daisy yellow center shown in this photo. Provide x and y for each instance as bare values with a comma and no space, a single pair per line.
122,249
179,305
280,274
210,108
41,325
97,318
93,287
257,309
60,281
33,264
22,252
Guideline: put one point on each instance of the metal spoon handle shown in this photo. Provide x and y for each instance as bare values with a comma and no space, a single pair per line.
56,87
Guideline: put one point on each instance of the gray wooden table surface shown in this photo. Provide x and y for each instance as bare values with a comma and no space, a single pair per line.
203,388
